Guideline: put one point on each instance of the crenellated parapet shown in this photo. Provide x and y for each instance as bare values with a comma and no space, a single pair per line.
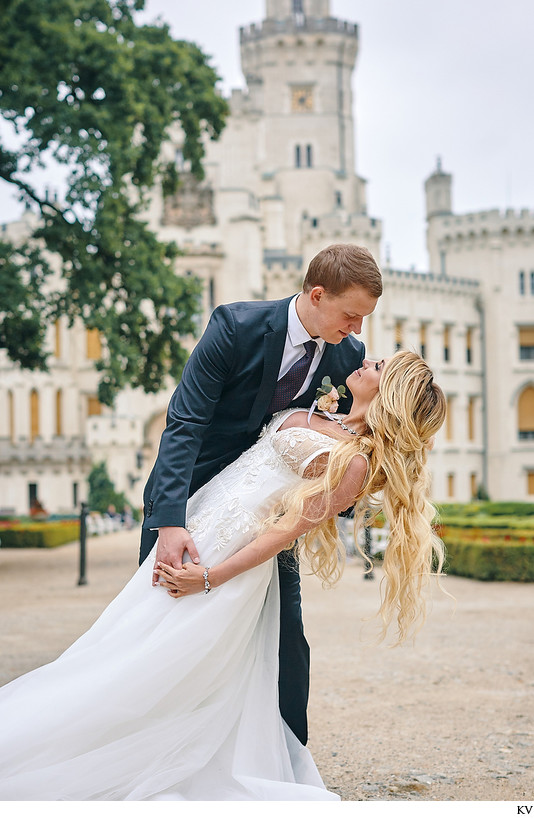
511,224
292,25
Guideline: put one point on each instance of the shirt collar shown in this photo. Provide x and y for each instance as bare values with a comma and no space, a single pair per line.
295,329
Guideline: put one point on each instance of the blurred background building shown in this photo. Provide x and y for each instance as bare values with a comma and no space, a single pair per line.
281,184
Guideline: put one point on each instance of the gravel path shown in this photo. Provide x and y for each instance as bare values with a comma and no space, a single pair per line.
450,718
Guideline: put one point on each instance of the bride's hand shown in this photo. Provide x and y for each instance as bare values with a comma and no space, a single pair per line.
181,582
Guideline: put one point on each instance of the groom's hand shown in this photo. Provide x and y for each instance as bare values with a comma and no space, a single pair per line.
173,542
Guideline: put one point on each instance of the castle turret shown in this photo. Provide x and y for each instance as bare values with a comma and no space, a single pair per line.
438,189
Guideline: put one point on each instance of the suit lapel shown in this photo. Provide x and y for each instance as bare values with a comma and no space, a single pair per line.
273,350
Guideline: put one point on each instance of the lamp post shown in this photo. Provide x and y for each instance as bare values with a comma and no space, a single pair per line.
82,581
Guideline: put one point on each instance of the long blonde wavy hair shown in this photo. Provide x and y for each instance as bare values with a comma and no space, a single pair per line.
402,420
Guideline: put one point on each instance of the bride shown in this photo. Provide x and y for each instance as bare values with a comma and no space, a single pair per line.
172,694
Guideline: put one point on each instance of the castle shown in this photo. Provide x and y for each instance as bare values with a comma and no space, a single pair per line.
280,185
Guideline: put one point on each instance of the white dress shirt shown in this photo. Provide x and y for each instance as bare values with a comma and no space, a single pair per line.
296,337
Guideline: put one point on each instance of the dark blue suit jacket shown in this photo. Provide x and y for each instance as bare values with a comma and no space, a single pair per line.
218,409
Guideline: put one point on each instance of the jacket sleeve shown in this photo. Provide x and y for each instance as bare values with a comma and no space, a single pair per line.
190,412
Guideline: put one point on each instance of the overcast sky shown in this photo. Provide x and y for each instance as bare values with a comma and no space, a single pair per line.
452,79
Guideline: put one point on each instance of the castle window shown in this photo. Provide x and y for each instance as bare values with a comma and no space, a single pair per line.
449,424
532,282
59,412
93,344
34,415
521,282
94,407
422,340
450,485
525,415
298,159
211,294
471,418
298,12
11,415
398,335
446,343
526,343
309,156
57,339
530,481
474,484
469,346
339,199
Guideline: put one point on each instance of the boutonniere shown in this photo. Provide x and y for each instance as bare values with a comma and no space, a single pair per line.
327,397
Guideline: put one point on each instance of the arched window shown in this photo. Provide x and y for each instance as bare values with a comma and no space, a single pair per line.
525,415
309,156
298,158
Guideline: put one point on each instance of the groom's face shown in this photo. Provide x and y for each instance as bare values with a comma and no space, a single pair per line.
335,317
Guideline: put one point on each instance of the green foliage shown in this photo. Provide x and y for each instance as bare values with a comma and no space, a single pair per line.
39,535
83,85
497,561
486,509
102,493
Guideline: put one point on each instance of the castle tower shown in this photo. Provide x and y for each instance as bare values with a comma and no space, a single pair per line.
438,194
438,190
298,64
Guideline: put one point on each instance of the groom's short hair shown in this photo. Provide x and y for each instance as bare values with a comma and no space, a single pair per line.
339,267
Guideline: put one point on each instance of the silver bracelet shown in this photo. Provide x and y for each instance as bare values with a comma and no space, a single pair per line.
207,585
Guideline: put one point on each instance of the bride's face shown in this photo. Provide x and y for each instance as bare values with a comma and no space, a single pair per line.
363,383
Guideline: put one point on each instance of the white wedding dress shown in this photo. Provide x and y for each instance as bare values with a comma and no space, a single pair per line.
174,699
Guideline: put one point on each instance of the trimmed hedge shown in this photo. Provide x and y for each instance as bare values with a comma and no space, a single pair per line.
498,560
513,509
39,535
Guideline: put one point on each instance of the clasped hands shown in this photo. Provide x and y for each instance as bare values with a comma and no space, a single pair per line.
179,578
180,582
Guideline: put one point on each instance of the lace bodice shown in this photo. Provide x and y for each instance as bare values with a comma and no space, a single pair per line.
234,503
298,447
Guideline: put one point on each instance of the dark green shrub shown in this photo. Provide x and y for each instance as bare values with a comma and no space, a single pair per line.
498,560
39,535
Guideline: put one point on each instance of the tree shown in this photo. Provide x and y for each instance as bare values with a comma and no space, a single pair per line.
84,85
102,492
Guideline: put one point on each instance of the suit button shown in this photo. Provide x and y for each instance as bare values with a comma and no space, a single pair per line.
150,507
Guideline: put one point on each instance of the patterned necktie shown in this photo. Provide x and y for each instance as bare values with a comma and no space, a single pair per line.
289,385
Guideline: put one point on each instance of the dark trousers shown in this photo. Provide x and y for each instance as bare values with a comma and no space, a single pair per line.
294,652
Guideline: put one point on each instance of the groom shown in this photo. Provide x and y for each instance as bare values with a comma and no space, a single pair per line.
254,359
